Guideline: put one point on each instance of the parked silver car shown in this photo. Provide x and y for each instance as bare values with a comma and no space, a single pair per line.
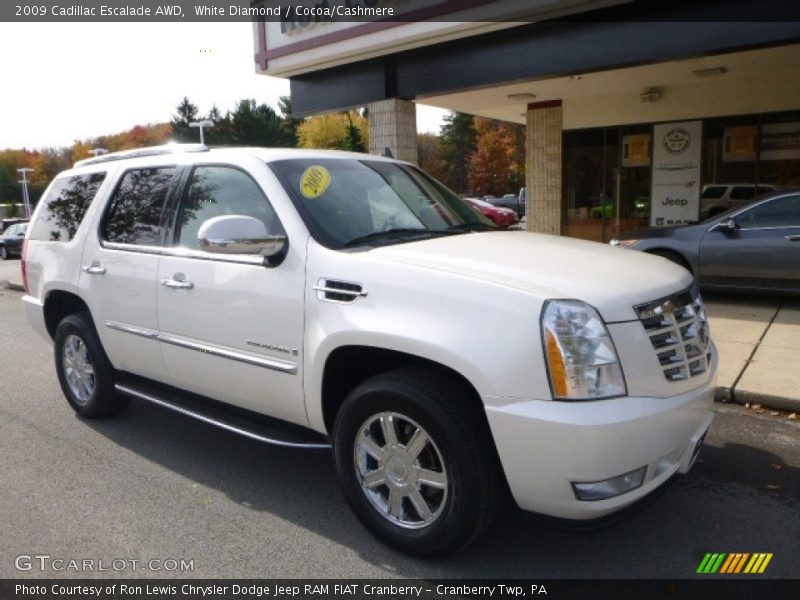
755,248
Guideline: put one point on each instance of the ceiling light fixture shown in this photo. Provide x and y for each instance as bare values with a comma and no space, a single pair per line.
526,96
712,72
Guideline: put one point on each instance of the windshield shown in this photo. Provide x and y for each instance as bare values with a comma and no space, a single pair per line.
347,202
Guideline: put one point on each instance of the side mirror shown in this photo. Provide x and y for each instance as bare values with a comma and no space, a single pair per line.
240,234
726,226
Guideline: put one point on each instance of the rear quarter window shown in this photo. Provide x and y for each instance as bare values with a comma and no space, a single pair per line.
64,207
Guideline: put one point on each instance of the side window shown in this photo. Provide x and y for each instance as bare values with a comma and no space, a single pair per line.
214,191
136,206
743,192
781,212
714,192
65,206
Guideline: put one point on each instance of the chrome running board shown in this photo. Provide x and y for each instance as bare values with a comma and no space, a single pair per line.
259,428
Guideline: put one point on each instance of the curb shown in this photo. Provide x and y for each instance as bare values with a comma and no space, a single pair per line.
14,283
767,401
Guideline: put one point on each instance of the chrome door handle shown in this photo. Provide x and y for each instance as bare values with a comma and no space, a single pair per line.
792,238
94,269
177,283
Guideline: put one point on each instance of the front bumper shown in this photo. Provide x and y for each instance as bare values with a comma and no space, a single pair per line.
545,446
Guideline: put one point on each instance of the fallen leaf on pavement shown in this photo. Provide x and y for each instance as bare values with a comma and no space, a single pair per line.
774,413
773,487
776,466
793,416
755,406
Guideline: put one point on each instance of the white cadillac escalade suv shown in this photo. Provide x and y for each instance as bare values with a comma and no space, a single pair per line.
325,299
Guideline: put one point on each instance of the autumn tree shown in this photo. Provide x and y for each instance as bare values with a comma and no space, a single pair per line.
496,166
431,156
335,131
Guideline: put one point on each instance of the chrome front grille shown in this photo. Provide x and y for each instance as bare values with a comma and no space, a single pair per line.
678,330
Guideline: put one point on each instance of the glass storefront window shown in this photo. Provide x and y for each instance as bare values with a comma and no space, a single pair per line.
608,171
779,150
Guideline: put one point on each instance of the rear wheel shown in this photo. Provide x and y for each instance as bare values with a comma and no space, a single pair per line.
416,462
84,371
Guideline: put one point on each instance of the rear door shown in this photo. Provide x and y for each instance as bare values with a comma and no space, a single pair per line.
119,268
763,252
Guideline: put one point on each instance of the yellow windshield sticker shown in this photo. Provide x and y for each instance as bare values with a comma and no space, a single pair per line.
314,182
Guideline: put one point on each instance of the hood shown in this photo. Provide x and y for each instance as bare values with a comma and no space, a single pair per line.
612,280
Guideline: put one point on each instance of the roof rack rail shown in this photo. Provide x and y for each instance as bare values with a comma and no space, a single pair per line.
139,152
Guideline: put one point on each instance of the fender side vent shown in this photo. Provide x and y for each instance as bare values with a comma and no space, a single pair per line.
342,292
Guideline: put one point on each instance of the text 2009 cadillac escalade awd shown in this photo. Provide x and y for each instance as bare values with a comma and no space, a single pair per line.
313,298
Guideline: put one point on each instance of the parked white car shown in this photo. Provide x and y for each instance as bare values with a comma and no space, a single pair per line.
720,197
359,304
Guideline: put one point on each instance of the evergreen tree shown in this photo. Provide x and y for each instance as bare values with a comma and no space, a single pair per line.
186,113
459,138
290,124
353,141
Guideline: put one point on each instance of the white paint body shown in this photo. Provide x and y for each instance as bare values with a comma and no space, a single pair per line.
470,302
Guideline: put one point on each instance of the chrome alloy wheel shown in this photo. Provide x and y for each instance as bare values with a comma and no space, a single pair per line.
400,470
78,369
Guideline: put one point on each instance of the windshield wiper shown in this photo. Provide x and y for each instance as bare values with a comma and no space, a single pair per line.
392,234
471,227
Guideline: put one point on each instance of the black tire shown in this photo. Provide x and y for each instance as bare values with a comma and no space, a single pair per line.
460,452
673,257
91,395
3,253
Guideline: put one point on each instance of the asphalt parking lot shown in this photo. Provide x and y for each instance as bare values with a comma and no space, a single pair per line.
153,485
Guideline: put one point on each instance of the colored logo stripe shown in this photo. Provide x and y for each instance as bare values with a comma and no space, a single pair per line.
720,562
758,563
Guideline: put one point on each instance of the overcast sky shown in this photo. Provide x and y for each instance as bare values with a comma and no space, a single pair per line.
68,81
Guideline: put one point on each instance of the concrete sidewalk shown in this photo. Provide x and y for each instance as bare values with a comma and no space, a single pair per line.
758,338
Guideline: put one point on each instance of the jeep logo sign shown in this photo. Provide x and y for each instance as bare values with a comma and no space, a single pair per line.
675,198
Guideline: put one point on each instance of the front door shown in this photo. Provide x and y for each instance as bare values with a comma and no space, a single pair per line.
230,327
763,252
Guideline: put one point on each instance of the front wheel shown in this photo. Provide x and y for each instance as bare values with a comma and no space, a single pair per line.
84,371
416,462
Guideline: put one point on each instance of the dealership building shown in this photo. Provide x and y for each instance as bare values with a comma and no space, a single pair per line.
631,107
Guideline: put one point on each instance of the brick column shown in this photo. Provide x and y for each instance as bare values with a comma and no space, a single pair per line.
393,125
543,167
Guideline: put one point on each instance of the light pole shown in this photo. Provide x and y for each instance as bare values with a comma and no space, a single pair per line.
200,125
24,171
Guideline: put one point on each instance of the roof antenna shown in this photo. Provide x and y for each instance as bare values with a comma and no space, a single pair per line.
387,153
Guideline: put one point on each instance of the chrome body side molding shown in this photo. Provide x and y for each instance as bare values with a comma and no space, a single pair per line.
258,361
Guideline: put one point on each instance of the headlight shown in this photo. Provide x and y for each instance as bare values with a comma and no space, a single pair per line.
581,359
623,243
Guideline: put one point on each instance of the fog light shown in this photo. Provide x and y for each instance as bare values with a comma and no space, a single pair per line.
600,490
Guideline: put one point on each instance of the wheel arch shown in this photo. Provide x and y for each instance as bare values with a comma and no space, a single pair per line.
675,256
59,304
347,366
